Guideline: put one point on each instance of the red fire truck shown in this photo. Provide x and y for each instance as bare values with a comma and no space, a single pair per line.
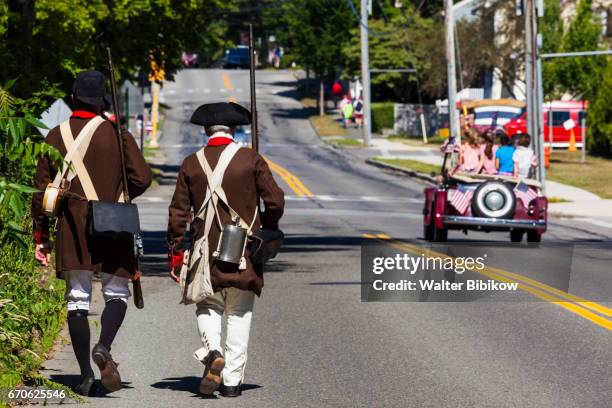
566,118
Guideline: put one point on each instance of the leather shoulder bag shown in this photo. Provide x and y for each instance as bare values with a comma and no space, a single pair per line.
265,245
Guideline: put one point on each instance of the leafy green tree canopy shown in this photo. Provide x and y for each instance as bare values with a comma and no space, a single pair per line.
52,40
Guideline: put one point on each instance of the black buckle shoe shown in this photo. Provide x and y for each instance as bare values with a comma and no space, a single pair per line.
87,387
110,378
212,373
231,391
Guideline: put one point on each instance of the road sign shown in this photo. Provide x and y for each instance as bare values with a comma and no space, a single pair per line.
56,114
569,124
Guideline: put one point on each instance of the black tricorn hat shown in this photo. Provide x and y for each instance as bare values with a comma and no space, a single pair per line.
222,114
90,87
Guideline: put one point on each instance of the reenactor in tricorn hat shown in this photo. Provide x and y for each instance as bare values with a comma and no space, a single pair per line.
223,184
95,173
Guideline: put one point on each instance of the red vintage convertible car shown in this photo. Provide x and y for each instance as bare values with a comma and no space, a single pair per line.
485,203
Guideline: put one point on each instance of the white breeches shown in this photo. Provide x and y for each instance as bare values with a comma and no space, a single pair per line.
237,305
78,288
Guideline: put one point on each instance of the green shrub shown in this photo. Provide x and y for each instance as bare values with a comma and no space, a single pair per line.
600,117
31,299
31,314
382,116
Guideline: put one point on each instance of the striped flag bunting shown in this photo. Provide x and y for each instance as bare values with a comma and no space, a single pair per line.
449,146
524,193
461,198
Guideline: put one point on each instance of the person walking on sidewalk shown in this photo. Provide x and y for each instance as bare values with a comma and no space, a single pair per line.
347,112
95,174
358,112
223,184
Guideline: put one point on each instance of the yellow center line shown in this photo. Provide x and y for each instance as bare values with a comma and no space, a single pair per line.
284,176
567,296
552,290
227,82
289,182
292,180
571,303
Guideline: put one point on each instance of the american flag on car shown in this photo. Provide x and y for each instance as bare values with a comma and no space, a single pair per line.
449,146
461,198
524,193
494,121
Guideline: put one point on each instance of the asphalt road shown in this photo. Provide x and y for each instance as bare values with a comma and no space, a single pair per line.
313,342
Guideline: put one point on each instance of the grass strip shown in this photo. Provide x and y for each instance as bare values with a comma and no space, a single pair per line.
326,126
345,142
593,175
412,165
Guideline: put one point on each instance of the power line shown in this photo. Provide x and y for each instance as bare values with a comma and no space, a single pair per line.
364,25
377,34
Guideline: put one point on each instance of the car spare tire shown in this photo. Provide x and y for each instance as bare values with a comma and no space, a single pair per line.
493,199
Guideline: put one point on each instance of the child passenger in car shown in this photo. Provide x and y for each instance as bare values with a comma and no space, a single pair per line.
487,153
524,158
470,152
503,157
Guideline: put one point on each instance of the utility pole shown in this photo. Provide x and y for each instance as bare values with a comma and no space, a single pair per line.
529,63
154,113
539,137
365,75
533,83
451,72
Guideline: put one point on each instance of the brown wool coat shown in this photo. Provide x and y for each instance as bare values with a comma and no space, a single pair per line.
246,179
75,250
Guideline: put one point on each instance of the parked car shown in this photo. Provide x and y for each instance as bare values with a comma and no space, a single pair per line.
486,113
237,57
559,114
242,136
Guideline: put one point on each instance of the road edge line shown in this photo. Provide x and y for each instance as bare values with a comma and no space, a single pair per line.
410,173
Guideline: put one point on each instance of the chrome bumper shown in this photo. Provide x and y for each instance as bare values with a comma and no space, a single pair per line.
491,223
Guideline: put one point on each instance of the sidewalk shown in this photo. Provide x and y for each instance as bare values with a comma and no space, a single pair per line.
580,203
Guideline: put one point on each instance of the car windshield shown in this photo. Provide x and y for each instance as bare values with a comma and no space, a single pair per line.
241,136
239,52
500,115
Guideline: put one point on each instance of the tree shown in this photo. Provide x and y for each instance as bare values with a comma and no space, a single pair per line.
386,51
52,40
315,31
581,75
600,116
551,28
400,38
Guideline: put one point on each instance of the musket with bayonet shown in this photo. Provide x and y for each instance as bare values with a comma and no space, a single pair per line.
137,240
254,130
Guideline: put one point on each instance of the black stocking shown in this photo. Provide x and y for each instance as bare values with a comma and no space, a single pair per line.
78,326
112,317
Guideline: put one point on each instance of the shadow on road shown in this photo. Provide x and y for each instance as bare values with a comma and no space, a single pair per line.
317,243
72,380
295,113
154,261
166,174
191,384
